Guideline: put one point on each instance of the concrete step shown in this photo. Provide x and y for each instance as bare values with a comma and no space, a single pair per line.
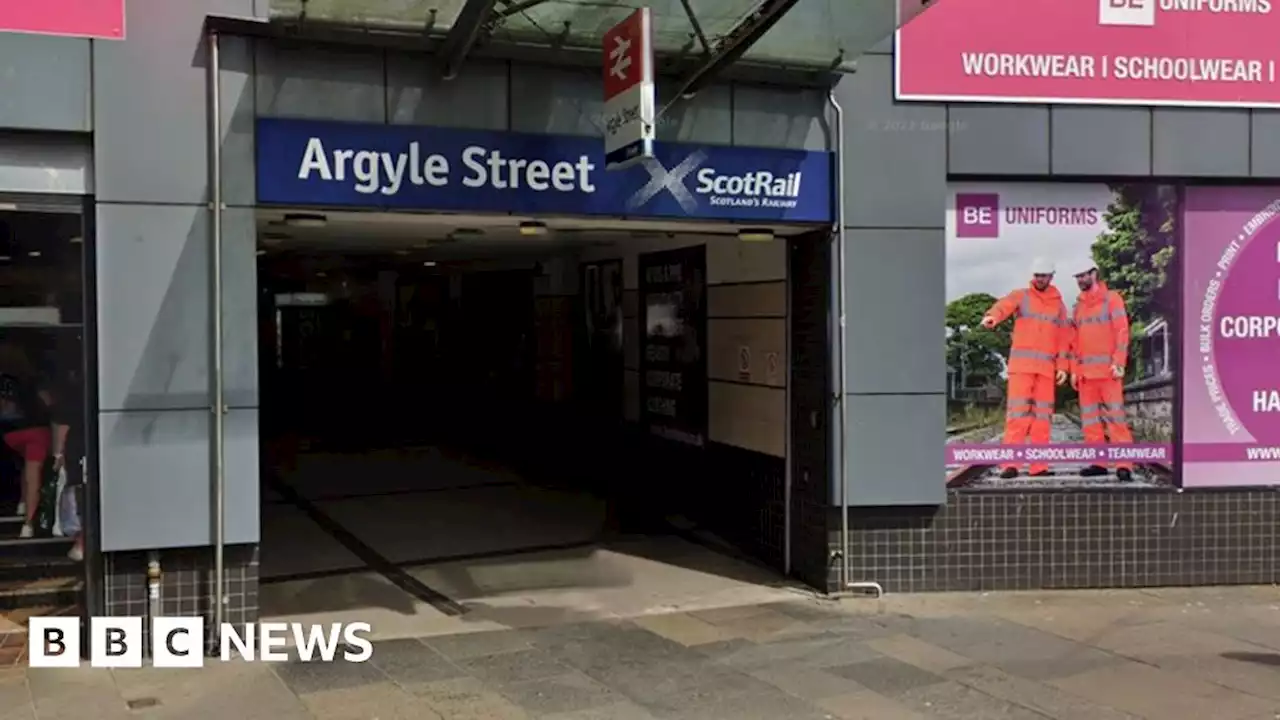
37,566
25,594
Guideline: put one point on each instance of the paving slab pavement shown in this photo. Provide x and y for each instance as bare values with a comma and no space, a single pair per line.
1107,655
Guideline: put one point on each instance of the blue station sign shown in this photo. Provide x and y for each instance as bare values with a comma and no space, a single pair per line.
393,167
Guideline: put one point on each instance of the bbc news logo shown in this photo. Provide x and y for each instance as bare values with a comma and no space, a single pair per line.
977,215
178,642
1127,12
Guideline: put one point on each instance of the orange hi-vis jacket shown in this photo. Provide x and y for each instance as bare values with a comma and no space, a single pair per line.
1041,332
1101,333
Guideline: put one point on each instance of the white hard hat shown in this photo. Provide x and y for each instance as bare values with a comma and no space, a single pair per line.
1085,266
1042,266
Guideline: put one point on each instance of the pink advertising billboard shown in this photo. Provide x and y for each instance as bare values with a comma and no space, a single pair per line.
103,19
1207,53
1231,292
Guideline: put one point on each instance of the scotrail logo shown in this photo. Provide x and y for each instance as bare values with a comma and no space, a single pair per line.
178,642
753,189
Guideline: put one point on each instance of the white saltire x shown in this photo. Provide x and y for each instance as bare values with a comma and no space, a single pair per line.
671,180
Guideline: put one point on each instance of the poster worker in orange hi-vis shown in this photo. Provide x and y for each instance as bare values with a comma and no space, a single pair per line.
1099,354
1037,360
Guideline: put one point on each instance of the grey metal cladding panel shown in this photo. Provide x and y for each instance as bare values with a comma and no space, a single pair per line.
706,118
1101,140
895,153
153,307
156,485
557,101
56,163
895,310
417,95
44,83
149,100
1191,142
895,450
240,308
323,84
792,118
239,181
998,140
1264,129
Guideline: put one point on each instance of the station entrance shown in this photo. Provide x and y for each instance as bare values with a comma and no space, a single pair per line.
454,414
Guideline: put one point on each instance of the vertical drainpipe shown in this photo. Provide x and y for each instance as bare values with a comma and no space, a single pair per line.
217,471
841,474
842,396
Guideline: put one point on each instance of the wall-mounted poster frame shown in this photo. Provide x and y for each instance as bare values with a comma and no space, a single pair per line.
673,336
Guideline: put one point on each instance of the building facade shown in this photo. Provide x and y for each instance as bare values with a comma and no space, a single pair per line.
127,124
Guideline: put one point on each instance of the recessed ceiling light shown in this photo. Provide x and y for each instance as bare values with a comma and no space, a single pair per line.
306,220
77,239
321,274
429,263
755,235
5,258
533,227
34,253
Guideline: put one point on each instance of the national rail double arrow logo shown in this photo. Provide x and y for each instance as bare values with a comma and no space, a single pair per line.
621,57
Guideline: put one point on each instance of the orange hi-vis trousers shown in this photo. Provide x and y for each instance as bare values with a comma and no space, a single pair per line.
1102,413
1029,413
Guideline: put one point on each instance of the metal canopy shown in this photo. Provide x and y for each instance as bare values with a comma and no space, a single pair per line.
478,17
809,36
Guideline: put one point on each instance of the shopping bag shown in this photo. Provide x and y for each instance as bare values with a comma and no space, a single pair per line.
68,516
47,508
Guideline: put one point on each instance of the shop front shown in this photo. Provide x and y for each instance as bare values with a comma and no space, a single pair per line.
47,361
1094,200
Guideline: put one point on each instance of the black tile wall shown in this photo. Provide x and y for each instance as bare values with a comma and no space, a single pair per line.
809,274
186,584
1064,540
738,494
745,501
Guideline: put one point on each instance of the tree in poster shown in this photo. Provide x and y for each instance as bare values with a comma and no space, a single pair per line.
970,348
1135,257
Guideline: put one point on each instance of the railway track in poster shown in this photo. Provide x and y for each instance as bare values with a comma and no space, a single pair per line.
1066,430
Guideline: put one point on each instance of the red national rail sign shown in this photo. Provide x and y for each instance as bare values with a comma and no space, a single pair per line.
102,19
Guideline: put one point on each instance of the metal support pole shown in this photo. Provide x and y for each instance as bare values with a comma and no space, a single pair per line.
842,442
697,26
466,30
217,470
515,8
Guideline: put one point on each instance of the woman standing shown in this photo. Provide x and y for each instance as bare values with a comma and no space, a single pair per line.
25,427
